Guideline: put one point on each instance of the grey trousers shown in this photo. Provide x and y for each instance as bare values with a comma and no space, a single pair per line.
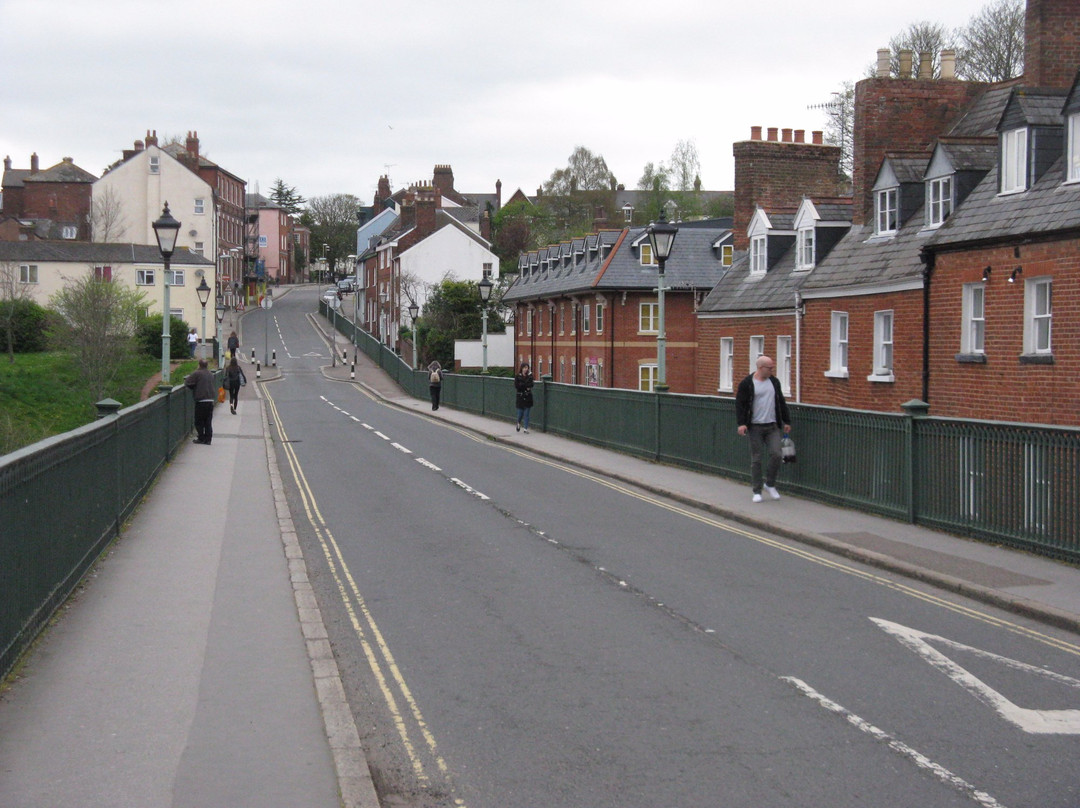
764,437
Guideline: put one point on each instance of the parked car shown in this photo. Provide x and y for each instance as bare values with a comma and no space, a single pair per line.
346,286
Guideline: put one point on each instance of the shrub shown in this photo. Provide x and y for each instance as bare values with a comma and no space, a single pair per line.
148,337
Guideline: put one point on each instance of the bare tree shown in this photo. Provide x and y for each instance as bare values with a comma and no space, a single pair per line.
584,171
107,220
840,123
992,44
98,321
14,292
685,167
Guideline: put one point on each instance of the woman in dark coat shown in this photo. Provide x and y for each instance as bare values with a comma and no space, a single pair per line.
523,384
234,377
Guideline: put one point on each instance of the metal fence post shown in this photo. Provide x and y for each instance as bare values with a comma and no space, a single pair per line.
914,409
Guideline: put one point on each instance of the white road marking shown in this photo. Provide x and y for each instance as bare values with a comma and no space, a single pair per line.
366,426
469,488
401,448
428,463
1036,722
919,759
381,435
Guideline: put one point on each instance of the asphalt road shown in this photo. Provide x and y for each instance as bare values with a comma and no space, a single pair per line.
515,632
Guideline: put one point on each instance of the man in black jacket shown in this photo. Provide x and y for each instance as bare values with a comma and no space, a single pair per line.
762,414
201,383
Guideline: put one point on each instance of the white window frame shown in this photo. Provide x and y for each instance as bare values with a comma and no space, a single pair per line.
1038,316
727,255
528,322
69,232
649,317
886,211
199,248
757,348
28,274
1014,161
939,200
759,255
145,277
804,254
200,206
973,317
783,363
838,345
1072,154
586,317
599,318
645,249
648,376
883,347
155,164
727,364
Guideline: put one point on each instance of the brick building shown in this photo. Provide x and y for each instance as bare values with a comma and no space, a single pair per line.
53,203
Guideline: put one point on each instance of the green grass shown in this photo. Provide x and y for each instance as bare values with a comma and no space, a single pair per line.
42,394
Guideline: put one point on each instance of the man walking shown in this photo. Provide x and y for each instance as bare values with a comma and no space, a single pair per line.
201,384
762,415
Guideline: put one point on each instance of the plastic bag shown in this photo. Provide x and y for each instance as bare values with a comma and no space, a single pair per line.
221,395
787,449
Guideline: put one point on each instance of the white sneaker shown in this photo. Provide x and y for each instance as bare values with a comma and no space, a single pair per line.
772,492
526,432
757,497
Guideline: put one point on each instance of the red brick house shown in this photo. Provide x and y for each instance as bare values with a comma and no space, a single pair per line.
56,199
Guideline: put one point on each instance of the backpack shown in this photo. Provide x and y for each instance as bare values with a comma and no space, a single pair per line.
434,378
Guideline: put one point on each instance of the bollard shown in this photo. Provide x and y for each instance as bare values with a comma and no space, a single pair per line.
344,355
252,354
273,358
258,371
352,371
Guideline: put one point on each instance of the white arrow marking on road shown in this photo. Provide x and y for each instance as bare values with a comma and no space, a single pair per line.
1037,722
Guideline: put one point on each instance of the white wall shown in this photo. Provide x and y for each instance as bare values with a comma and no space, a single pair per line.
447,251
469,353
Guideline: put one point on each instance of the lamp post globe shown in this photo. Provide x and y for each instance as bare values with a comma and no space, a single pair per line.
166,228
414,312
661,236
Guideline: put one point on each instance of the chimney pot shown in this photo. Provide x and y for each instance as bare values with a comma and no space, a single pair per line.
33,163
884,61
818,139
786,135
755,133
948,64
926,65
905,63
772,133
800,135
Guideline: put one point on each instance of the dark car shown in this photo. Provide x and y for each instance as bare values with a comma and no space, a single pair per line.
346,286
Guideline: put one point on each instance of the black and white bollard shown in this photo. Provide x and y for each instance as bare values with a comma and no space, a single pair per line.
258,371
352,371
273,358
253,355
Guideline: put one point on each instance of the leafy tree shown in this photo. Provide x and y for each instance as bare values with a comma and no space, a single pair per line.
14,295
517,228
452,312
148,336
992,43
97,324
573,195
286,197
332,221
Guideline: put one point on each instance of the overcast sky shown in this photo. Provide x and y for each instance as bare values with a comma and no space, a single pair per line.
330,94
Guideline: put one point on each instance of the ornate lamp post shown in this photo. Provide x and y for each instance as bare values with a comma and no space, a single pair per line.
414,312
219,312
485,295
203,291
661,237
166,229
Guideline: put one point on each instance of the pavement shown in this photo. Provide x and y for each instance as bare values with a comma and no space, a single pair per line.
192,667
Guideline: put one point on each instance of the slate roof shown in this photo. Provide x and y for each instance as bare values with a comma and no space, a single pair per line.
982,117
92,253
607,261
1041,107
14,177
908,166
971,156
64,171
1048,206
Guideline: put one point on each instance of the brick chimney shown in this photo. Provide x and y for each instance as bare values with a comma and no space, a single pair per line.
778,173
498,194
193,144
34,163
1051,43
407,213
899,115
382,193
443,179
7,163
427,201
151,138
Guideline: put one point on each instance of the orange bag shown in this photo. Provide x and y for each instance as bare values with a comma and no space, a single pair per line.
221,395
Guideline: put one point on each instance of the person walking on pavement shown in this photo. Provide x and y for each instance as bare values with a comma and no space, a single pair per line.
762,414
233,345
523,384
234,379
435,383
201,383
192,341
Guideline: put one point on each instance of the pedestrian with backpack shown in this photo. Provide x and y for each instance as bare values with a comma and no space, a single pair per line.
435,383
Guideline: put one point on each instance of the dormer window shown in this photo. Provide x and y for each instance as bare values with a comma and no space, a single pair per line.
886,210
646,254
804,256
727,255
758,255
1072,157
939,201
1014,161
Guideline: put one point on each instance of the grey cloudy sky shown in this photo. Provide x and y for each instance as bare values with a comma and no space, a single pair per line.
329,94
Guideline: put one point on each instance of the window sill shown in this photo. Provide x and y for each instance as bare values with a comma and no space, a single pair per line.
1037,359
971,358
725,389
881,378
836,374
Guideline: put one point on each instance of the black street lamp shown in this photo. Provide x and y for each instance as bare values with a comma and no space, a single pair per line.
203,291
485,295
166,229
219,312
661,237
